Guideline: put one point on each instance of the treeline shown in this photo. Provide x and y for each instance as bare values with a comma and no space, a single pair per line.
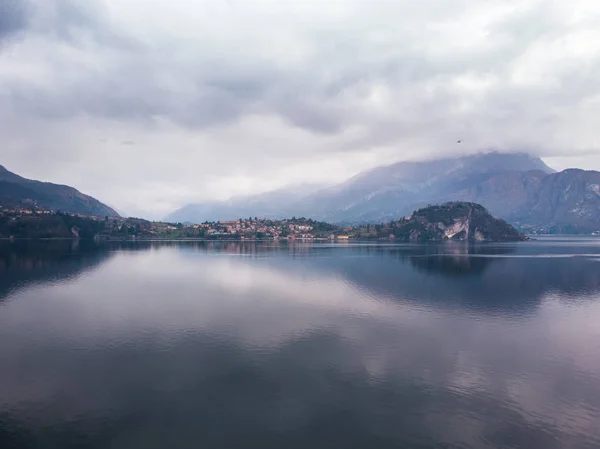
56,225
37,225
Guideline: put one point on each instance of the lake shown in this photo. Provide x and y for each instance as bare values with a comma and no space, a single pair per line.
266,345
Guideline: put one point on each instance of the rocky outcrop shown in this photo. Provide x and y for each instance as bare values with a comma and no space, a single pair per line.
455,221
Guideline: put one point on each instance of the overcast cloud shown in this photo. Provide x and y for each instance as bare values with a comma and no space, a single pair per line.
151,104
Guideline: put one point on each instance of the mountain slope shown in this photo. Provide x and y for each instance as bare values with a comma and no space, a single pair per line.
16,191
516,187
388,192
568,201
380,194
275,204
504,194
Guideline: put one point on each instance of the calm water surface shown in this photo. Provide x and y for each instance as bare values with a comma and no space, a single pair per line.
232,345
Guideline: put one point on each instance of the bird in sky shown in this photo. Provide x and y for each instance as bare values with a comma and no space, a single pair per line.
458,141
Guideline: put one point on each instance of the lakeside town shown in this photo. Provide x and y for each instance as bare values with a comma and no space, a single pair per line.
37,223
424,225
40,223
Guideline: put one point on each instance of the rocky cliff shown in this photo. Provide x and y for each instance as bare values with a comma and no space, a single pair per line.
455,221
568,201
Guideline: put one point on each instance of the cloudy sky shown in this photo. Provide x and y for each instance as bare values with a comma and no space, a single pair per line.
151,104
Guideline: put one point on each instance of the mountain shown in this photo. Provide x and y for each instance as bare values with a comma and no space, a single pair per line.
454,221
568,201
380,194
396,190
516,187
273,204
16,191
504,194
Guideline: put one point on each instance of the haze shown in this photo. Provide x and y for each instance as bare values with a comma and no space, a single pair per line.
149,105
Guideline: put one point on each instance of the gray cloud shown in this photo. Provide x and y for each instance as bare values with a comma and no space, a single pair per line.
13,17
233,97
131,87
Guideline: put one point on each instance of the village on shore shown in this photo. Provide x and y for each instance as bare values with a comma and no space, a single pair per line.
449,221
37,223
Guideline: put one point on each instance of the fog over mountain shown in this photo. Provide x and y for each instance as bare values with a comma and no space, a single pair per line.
382,193
152,105
272,204
517,187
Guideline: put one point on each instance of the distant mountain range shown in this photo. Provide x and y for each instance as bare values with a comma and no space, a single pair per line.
517,187
16,191
273,204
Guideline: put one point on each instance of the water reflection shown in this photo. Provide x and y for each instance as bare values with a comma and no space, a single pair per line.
457,259
24,263
261,345
477,276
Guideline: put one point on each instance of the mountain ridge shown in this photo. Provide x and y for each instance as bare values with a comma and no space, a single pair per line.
17,191
516,187
384,192
269,203
387,192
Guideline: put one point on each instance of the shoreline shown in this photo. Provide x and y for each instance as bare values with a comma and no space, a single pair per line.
316,240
